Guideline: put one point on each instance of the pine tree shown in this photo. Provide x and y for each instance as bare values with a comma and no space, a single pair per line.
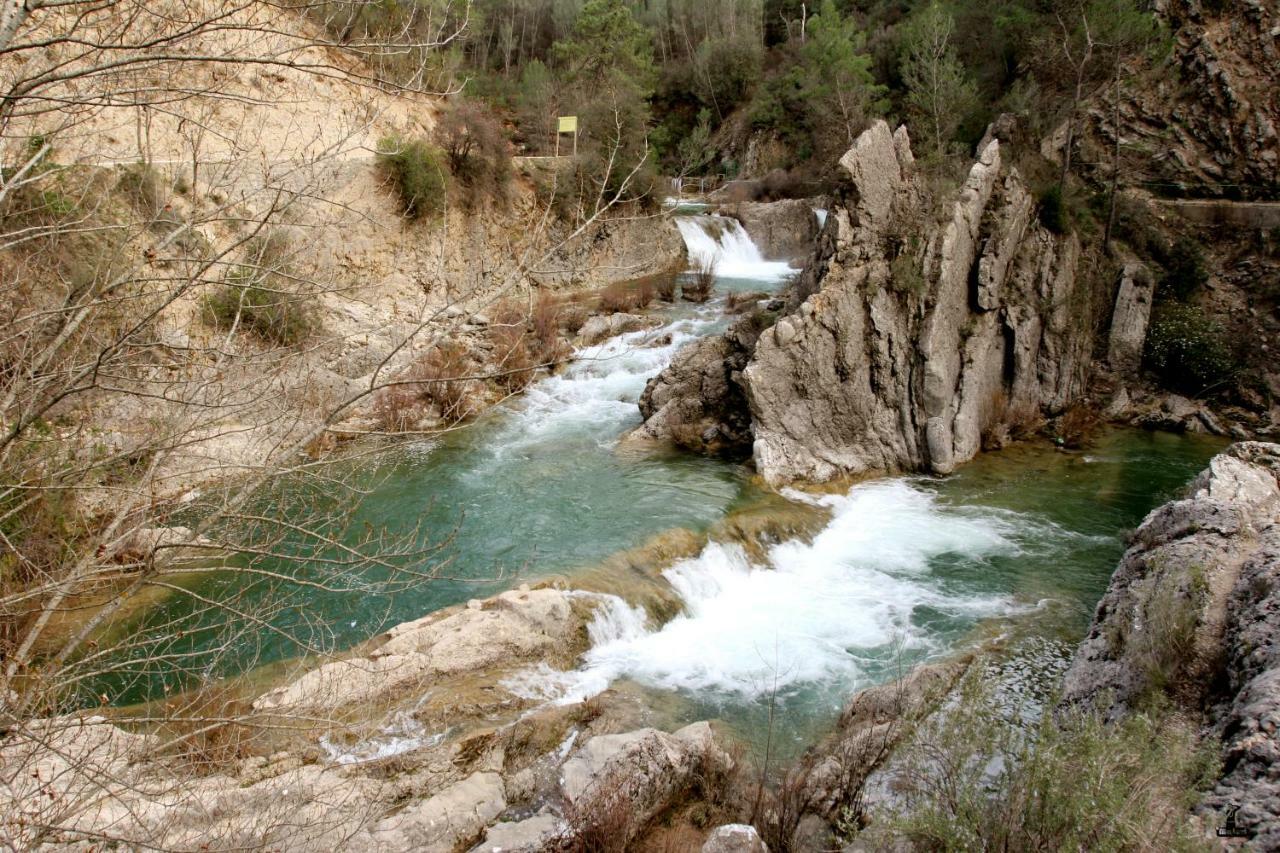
940,92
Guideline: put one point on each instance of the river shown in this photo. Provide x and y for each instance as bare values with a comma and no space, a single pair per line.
885,573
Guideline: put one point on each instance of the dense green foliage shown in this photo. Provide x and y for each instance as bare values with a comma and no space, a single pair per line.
1188,351
1184,271
756,86
417,172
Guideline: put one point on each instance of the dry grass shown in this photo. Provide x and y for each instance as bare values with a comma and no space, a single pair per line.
664,285
1077,427
439,381
619,297
702,281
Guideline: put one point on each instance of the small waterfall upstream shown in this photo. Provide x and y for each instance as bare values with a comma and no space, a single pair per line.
722,243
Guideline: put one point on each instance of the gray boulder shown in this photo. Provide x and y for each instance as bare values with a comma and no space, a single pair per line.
734,838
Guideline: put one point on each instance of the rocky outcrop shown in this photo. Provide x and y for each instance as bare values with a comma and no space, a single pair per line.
1130,318
698,402
781,229
912,333
623,781
921,335
1249,722
516,626
602,327
1212,124
1164,616
1193,613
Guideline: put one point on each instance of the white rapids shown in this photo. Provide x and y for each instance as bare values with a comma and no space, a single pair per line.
804,617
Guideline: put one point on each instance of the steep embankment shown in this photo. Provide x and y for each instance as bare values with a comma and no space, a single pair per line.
269,159
1211,126
1192,616
916,334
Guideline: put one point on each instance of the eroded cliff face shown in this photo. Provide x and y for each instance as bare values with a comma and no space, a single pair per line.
914,333
1213,125
1192,617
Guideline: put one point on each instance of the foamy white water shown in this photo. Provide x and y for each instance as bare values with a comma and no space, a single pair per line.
722,242
599,389
808,614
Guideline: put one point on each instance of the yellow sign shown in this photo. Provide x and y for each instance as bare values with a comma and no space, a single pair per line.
568,124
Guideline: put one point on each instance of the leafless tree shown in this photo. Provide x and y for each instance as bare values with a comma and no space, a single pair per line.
163,415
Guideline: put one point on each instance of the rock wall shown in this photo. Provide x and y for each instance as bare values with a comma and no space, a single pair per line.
913,333
1211,126
699,402
782,229
1193,614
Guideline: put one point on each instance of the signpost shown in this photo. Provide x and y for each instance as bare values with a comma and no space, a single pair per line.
567,124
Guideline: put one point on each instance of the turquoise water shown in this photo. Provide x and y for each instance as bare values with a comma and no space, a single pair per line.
899,570
905,570
534,488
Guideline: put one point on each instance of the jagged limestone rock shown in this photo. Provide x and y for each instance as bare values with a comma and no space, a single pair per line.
1193,612
915,336
698,401
781,229
1163,615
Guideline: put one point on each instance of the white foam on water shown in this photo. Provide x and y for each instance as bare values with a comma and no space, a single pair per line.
614,621
722,242
809,613
597,392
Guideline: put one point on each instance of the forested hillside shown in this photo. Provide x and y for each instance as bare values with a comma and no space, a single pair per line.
745,87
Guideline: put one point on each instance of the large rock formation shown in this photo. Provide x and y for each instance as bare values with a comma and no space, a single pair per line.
914,332
699,402
1193,614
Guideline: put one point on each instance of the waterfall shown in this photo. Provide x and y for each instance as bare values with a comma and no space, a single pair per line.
811,613
722,242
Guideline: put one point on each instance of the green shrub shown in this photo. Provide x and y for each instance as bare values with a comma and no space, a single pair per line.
259,296
1184,271
417,172
1188,351
1053,210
